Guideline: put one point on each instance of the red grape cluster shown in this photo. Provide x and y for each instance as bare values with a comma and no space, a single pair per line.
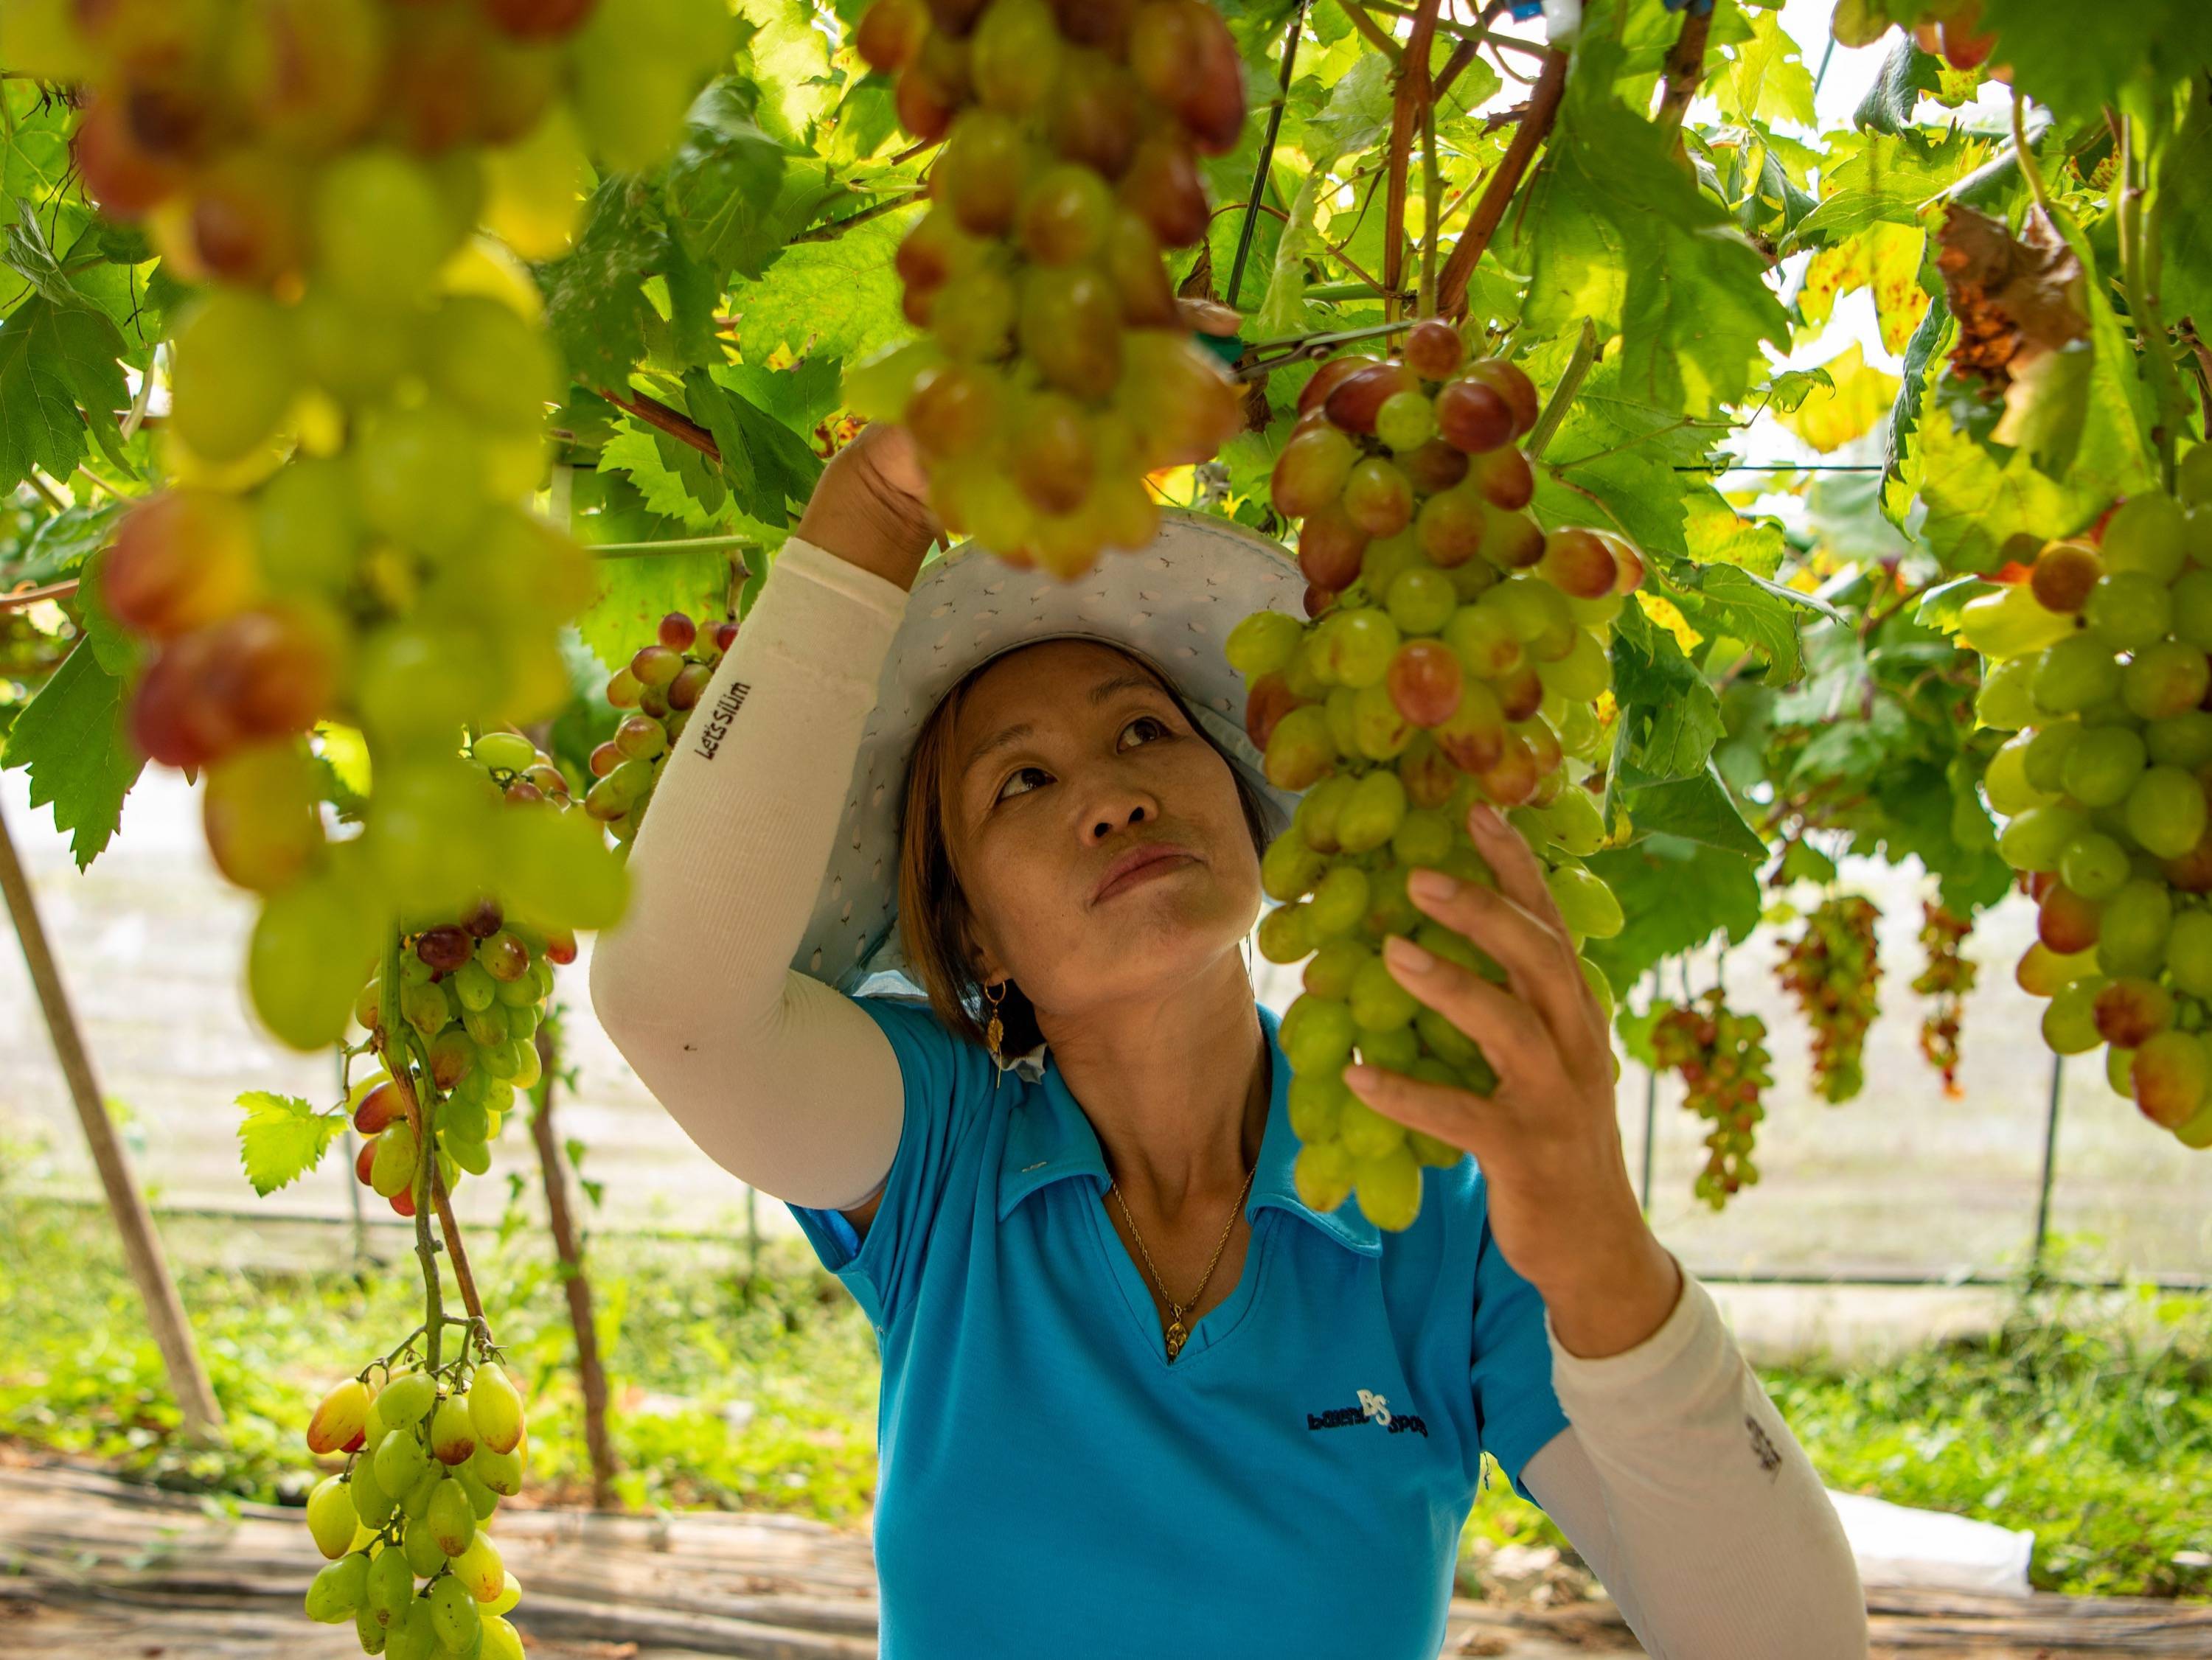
1832,969
355,423
1948,976
1058,372
1720,1054
1454,653
661,685
472,994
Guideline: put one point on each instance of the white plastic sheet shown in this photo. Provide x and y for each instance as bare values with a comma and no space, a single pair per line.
1930,1550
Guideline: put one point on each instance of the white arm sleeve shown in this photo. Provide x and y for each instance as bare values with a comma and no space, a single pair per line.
1682,1487
779,1078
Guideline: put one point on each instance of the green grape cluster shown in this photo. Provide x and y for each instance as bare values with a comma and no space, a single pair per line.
430,1451
1946,977
2097,663
661,685
1720,1054
1454,653
472,994
358,386
1057,371
1834,969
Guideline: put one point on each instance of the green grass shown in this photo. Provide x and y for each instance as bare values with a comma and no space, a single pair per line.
2090,1427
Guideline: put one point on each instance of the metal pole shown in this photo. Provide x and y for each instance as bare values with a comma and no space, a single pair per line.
141,1246
1651,1130
353,1186
2050,1164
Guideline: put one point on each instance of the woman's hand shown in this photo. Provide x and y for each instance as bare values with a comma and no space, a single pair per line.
870,505
1561,1204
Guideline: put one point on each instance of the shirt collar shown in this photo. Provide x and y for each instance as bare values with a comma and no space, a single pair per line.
1050,1137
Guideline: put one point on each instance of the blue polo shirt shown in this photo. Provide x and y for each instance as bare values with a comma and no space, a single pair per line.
1293,1485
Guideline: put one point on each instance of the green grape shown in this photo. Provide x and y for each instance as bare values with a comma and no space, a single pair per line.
490,363
1584,672
1337,709
2171,1072
332,1519
1317,809
1317,1032
1262,643
1361,642
1338,902
2005,700
233,374
2146,534
1300,749
2069,1022
2188,952
2131,939
2077,672
1284,934
2100,773
1014,56
2047,748
2094,865
1323,1173
2129,610
1421,600
1390,910
1586,906
1393,1049
1406,420
1425,837
1289,867
2192,608
1385,558
381,229
2036,839
1389,1187
2010,623
1379,1002
2166,812
1380,730
2006,780
1371,816
419,475
2184,740
2166,678
1365,1133
1330,971
338,1589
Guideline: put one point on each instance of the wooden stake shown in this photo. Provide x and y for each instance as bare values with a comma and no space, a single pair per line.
141,1246
590,1374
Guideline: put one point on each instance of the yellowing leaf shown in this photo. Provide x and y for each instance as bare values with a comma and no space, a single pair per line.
1832,416
1662,611
1885,258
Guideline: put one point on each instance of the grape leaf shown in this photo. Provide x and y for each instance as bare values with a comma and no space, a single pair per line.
1858,397
1878,177
70,739
723,181
1766,79
839,298
595,301
2074,63
1670,717
54,359
1692,303
677,482
789,58
2184,206
1698,809
1356,117
281,1138
1675,893
1905,74
770,468
635,594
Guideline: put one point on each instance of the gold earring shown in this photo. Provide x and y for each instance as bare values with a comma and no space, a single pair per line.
997,1029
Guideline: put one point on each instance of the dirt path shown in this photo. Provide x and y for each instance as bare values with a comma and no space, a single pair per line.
91,1566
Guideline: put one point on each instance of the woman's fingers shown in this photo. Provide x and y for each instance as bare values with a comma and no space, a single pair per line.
1539,963
1512,1038
1448,1113
1520,877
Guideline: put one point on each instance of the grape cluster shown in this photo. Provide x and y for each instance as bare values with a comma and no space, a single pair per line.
1454,654
471,993
1720,1054
1952,30
2097,664
1834,969
430,1454
1948,977
1057,371
662,685
356,424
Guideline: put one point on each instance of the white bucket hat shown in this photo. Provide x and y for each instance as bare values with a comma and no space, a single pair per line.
1172,602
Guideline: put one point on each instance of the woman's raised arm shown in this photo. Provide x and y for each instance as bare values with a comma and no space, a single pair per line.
776,1077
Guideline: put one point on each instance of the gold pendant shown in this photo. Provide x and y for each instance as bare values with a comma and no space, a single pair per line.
1176,1336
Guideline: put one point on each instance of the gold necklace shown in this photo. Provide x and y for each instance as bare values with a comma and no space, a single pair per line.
1177,1333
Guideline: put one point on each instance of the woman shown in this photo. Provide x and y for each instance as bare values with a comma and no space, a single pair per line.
1138,1400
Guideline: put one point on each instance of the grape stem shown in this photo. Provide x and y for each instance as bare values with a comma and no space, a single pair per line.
447,1224
1686,67
1412,94
1505,179
1563,393
2135,239
1376,35
387,1023
2028,169
678,426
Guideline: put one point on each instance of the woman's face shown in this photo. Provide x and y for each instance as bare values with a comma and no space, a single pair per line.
1067,755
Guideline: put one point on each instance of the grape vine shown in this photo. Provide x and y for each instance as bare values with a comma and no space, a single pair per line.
1833,969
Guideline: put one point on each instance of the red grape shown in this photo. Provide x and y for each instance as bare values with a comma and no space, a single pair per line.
1473,417
1434,350
1424,681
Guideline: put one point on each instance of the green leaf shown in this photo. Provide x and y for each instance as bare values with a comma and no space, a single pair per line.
2184,214
789,58
1766,79
677,482
1618,231
1720,600
1354,119
54,360
595,301
1676,893
722,183
770,469
839,298
1886,180
1905,74
635,594
70,738
2074,63
1670,718
281,1138
1698,809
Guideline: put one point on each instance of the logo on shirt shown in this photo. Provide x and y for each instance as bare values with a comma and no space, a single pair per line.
717,725
1372,1408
